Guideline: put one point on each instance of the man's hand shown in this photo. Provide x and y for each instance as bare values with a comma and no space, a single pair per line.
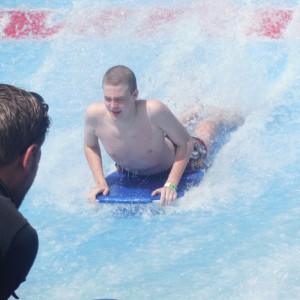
103,189
167,195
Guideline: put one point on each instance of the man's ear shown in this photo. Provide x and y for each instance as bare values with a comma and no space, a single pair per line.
135,94
29,155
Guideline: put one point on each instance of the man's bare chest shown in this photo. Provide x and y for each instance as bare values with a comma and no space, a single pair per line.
136,144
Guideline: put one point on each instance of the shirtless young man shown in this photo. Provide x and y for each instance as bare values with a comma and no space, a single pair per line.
142,136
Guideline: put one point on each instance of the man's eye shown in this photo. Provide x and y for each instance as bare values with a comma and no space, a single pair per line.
116,100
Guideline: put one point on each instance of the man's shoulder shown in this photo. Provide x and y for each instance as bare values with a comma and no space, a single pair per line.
9,212
95,109
96,106
154,105
153,102
11,222
156,108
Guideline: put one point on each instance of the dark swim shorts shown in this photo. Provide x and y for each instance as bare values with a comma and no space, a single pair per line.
197,157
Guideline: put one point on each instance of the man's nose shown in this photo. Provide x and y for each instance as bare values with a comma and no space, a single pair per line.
114,103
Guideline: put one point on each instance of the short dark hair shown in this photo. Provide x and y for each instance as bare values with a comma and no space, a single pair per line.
24,121
120,75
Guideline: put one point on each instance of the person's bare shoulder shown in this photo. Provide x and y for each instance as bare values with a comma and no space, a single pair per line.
156,108
95,110
161,116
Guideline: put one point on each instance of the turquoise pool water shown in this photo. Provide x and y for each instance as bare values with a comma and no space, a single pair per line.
237,235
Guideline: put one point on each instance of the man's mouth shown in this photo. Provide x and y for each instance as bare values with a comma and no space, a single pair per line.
115,113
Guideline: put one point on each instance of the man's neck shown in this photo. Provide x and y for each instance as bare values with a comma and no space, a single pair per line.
128,123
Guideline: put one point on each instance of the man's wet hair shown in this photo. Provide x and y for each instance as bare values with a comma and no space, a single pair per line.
24,121
119,75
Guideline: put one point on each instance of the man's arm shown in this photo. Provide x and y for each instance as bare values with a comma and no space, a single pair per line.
182,154
164,118
93,155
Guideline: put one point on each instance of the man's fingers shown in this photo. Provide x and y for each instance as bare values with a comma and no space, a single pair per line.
105,191
167,195
92,197
156,192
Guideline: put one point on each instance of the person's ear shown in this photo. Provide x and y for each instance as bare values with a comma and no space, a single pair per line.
29,155
135,94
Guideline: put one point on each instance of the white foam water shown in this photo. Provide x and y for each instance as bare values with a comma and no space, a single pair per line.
233,237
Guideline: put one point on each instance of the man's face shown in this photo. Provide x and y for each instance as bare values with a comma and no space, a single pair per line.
118,100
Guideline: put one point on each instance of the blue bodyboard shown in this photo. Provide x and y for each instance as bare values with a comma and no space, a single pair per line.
128,189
